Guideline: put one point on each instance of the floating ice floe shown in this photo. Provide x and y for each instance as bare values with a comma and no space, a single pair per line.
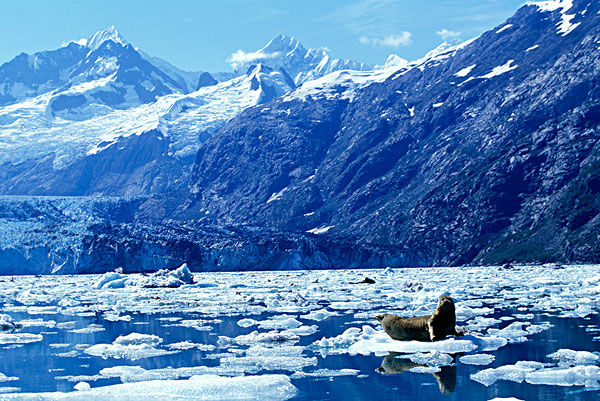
586,375
477,359
258,358
515,373
571,357
257,337
133,347
131,374
92,328
517,332
319,315
4,378
82,386
185,345
196,324
279,322
37,323
246,322
325,373
539,373
505,399
367,341
206,387
162,278
7,323
9,389
19,338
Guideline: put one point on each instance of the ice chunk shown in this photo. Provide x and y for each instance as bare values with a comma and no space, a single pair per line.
256,337
571,357
319,315
381,344
477,359
587,375
184,345
206,387
326,373
304,330
425,369
368,340
115,317
259,358
506,399
162,278
138,339
480,323
133,347
183,273
19,338
7,323
92,328
279,322
246,322
111,280
82,386
515,373
131,352
514,332
4,378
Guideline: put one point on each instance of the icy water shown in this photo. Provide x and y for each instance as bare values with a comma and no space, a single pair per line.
313,327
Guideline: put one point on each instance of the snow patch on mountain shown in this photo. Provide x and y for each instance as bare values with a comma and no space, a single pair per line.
565,26
465,71
504,28
501,69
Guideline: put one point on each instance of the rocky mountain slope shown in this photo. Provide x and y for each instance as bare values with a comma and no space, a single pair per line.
483,152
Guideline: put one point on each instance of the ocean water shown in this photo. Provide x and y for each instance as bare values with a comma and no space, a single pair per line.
558,308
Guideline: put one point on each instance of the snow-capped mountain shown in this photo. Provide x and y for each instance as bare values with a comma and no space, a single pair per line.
102,70
64,111
481,152
476,153
286,53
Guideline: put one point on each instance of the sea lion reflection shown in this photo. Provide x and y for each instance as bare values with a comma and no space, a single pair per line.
396,363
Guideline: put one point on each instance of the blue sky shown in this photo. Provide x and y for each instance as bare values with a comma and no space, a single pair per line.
202,34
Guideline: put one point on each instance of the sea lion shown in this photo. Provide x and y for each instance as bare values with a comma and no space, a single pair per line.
423,328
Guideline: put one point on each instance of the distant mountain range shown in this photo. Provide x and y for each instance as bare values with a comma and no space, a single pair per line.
482,152
101,117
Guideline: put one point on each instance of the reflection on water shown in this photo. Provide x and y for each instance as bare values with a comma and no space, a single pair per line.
397,363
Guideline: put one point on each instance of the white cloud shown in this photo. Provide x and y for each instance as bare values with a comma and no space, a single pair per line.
402,39
448,35
241,58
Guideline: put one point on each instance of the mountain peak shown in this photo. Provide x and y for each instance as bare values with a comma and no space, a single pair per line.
282,44
100,37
